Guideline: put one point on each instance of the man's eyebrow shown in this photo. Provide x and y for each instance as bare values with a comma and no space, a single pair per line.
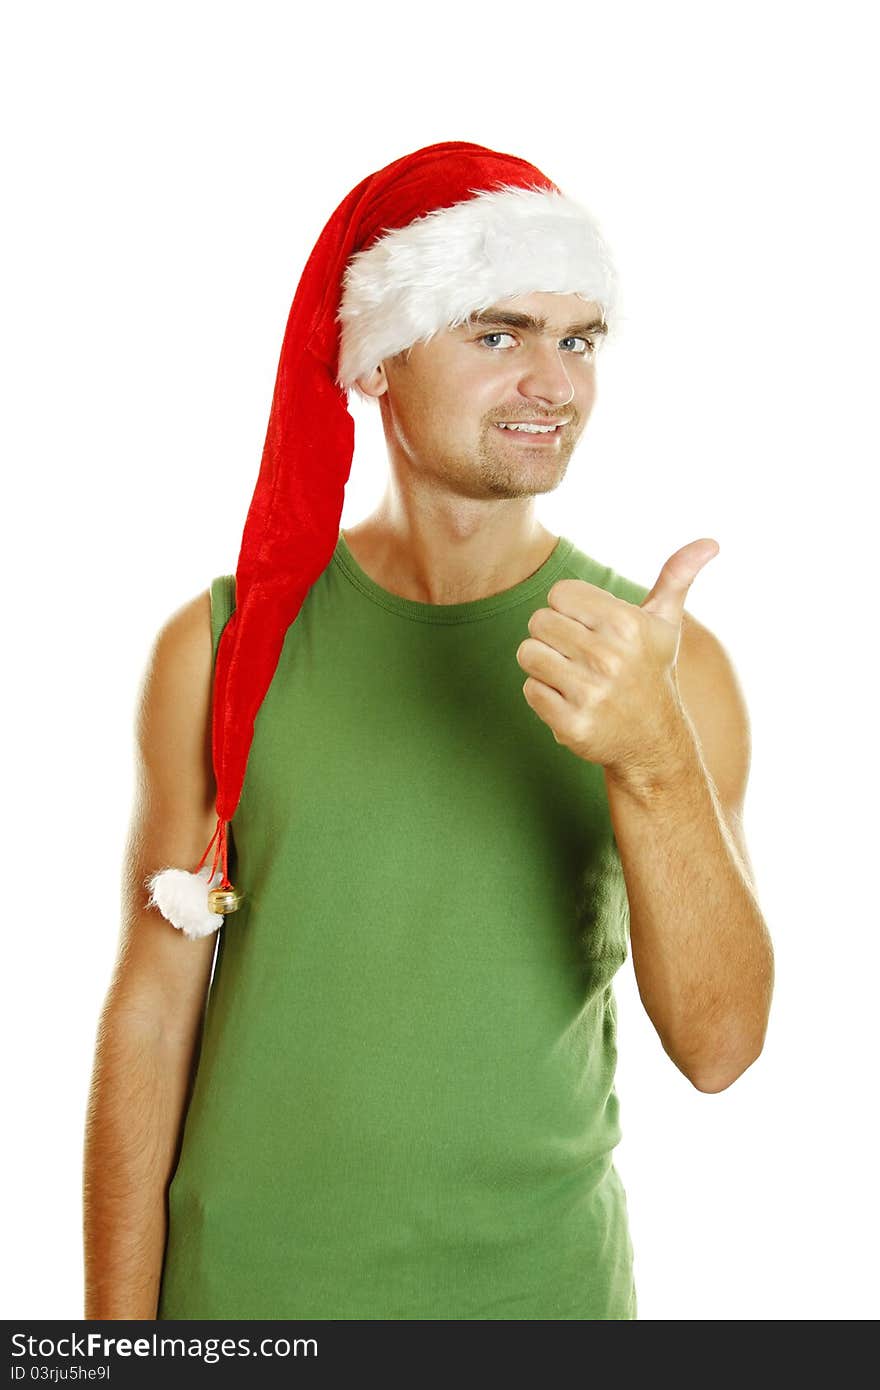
509,319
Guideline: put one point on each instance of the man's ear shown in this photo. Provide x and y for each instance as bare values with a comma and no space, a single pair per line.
374,382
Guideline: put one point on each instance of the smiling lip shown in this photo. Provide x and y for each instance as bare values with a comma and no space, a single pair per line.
533,422
545,437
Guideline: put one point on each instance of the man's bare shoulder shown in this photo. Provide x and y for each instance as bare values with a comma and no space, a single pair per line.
185,638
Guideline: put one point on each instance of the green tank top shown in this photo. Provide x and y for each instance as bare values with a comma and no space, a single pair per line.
404,1105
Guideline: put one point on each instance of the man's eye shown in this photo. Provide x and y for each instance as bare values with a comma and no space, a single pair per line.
588,349
495,335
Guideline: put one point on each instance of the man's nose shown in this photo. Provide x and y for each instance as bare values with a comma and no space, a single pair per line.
545,375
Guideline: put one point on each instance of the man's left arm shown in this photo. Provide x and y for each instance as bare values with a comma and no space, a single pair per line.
649,693
701,950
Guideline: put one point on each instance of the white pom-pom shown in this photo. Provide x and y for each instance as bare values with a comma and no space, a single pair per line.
182,897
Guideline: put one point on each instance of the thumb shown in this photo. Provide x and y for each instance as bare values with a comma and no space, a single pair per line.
668,596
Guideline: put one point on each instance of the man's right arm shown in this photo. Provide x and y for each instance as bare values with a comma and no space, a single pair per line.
147,1039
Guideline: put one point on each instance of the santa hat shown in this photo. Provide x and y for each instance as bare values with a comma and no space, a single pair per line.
415,248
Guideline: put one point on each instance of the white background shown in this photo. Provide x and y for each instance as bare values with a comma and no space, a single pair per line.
167,169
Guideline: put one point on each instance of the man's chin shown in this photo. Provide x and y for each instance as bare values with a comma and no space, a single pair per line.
524,487
542,475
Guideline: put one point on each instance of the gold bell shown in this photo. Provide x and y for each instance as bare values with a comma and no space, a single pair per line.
224,900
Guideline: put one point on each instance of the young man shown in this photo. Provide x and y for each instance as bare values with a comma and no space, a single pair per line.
482,766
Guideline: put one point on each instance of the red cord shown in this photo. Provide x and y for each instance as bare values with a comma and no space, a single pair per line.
220,836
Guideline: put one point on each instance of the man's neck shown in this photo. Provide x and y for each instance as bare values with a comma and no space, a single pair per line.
429,567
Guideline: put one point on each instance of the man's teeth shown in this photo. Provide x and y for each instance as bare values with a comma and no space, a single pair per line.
531,429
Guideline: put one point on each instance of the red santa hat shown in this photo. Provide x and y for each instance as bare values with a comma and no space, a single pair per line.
414,249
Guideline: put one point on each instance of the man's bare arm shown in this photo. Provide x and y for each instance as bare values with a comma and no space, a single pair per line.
148,1033
701,950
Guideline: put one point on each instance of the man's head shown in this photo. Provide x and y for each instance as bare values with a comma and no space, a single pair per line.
444,399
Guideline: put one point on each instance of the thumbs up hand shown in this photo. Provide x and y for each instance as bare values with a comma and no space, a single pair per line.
602,671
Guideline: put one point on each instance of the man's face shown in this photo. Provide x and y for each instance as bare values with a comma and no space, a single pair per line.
443,402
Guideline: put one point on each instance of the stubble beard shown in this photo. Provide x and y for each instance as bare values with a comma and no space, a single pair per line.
504,476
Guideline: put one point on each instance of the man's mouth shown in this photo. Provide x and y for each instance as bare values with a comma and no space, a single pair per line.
533,431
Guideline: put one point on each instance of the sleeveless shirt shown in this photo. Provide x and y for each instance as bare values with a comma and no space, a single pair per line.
404,1104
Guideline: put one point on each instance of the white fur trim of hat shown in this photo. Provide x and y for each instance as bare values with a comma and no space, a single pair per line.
430,275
